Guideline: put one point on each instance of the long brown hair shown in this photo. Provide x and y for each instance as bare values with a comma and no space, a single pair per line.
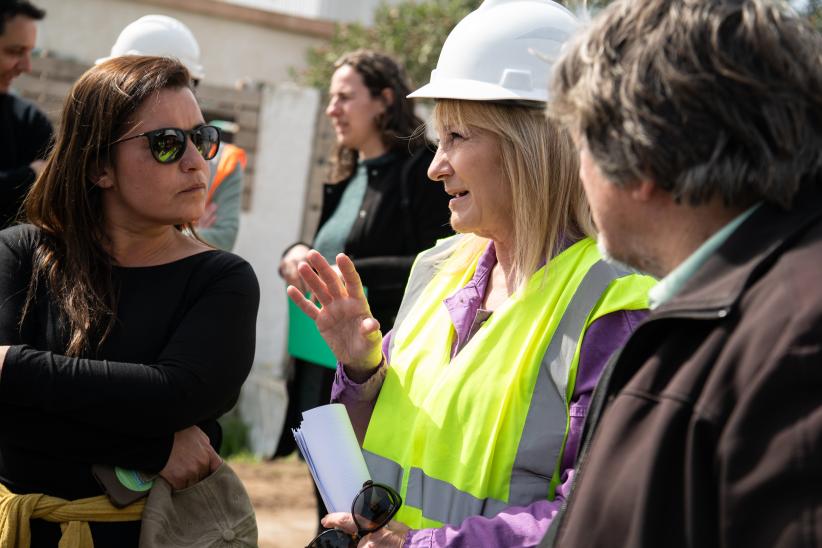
399,127
66,204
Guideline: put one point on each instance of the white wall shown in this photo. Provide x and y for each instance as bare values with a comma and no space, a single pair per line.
287,120
85,30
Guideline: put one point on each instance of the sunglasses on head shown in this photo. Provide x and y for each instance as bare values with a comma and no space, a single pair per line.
373,508
168,144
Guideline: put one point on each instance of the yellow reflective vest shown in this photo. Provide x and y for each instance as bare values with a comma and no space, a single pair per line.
486,430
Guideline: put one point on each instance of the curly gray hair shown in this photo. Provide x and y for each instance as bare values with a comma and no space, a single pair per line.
700,96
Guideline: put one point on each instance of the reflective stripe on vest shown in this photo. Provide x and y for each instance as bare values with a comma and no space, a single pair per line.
544,429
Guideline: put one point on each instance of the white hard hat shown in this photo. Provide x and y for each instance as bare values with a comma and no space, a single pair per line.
162,36
502,51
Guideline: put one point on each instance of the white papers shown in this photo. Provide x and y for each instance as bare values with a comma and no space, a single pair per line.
328,443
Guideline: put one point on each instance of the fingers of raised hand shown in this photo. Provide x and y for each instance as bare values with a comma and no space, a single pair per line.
296,295
353,283
370,329
315,285
326,273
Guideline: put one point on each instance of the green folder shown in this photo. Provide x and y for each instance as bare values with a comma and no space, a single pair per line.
304,339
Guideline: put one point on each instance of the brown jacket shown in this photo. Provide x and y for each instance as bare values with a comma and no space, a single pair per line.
706,430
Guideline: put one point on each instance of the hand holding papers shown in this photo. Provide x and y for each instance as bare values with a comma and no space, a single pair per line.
327,442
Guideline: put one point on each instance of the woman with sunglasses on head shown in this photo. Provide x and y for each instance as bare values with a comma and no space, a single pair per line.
471,408
123,337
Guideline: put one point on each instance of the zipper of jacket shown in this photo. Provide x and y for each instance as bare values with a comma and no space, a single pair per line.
597,403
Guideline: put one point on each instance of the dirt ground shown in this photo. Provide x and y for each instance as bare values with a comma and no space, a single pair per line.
283,497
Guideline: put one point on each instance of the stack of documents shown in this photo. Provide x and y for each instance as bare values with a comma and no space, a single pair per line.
328,443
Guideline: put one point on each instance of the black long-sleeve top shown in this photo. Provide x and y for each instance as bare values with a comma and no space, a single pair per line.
25,135
181,347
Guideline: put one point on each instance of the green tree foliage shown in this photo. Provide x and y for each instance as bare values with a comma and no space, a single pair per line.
813,11
412,32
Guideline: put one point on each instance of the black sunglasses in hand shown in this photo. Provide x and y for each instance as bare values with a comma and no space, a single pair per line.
372,509
168,144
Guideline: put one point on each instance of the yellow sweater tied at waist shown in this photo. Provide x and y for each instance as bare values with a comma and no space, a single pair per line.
72,515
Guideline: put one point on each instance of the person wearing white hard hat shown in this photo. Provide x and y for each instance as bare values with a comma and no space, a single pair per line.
162,36
471,408
165,36
379,207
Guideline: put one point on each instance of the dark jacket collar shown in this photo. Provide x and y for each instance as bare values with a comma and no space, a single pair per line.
719,283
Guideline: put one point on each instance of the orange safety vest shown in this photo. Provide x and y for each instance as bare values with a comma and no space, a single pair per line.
230,156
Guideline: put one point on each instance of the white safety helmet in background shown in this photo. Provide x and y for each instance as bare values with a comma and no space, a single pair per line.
162,36
504,50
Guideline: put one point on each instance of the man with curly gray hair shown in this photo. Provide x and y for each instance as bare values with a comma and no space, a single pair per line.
699,126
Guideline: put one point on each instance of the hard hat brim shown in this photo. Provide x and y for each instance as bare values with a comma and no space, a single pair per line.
473,90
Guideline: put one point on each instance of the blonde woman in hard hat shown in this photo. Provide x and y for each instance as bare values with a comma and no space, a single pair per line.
379,207
472,406
166,36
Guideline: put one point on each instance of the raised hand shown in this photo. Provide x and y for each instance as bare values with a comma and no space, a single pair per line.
345,320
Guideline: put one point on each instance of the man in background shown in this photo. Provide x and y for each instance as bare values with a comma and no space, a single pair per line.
168,37
25,132
699,124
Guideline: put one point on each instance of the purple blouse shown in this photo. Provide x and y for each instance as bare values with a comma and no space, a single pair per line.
518,525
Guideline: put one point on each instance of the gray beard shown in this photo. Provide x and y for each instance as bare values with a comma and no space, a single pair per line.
615,262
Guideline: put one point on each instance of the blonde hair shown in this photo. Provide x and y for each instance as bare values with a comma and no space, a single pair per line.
540,168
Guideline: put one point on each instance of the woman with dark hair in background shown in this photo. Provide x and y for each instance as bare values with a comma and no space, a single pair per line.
122,336
380,208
